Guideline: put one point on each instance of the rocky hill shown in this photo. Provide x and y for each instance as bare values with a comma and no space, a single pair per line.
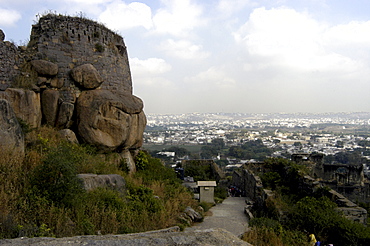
73,75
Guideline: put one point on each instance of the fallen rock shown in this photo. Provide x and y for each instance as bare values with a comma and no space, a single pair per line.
11,135
69,135
193,215
110,181
43,67
87,76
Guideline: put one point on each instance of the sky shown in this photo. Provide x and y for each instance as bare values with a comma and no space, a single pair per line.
234,56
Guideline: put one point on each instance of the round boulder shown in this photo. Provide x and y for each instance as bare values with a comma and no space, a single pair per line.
110,121
87,76
43,67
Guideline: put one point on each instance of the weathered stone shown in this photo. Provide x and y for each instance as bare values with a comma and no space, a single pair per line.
56,83
49,103
11,135
170,237
87,76
2,35
193,215
45,67
41,80
135,138
109,181
129,160
65,113
26,105
103,120
69,135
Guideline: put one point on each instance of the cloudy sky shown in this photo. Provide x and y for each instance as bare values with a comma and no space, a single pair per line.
248,56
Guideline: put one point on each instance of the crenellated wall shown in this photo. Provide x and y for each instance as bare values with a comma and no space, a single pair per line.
71,41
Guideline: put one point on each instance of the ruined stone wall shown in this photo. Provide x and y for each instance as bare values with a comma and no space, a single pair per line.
254,190
71,41
9,64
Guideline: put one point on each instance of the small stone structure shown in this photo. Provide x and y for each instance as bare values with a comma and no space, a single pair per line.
207,191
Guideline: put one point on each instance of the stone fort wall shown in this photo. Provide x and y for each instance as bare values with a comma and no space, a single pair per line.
9,62
70,42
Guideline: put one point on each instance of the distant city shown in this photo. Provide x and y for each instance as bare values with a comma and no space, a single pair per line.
327,133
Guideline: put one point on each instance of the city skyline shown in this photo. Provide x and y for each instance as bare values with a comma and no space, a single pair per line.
230,55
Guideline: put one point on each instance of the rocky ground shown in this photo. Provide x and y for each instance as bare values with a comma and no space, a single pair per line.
208,237
225,224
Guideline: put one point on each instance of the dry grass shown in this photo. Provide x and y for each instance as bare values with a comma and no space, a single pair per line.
262,237
24,211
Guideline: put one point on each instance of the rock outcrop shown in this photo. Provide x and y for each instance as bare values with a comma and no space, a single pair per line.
26,105
110,120
87,76
74,74
169,237
11,135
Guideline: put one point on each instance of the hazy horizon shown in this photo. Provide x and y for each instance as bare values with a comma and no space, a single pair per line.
232,56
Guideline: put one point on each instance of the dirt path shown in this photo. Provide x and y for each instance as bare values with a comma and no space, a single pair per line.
228,215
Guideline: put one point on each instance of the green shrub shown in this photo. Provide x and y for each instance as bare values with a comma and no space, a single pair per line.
206,206
99,47
56,178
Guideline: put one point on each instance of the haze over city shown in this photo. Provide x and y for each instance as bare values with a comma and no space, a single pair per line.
230,55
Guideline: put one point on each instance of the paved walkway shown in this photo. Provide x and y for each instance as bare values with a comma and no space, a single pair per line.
228,215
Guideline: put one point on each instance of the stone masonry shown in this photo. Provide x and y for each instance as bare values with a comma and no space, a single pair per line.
69,66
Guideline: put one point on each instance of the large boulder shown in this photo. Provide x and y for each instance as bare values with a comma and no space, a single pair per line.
110,121
43,67
87,76
65,113
26,105
49,102
11,135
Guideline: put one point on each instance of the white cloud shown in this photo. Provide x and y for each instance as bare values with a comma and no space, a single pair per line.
354,32
148,67
178,18
229,7
9,17
183,49
121,16
212,78
291,39
87,2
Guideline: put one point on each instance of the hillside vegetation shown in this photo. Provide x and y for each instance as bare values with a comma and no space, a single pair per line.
41,195
292,212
